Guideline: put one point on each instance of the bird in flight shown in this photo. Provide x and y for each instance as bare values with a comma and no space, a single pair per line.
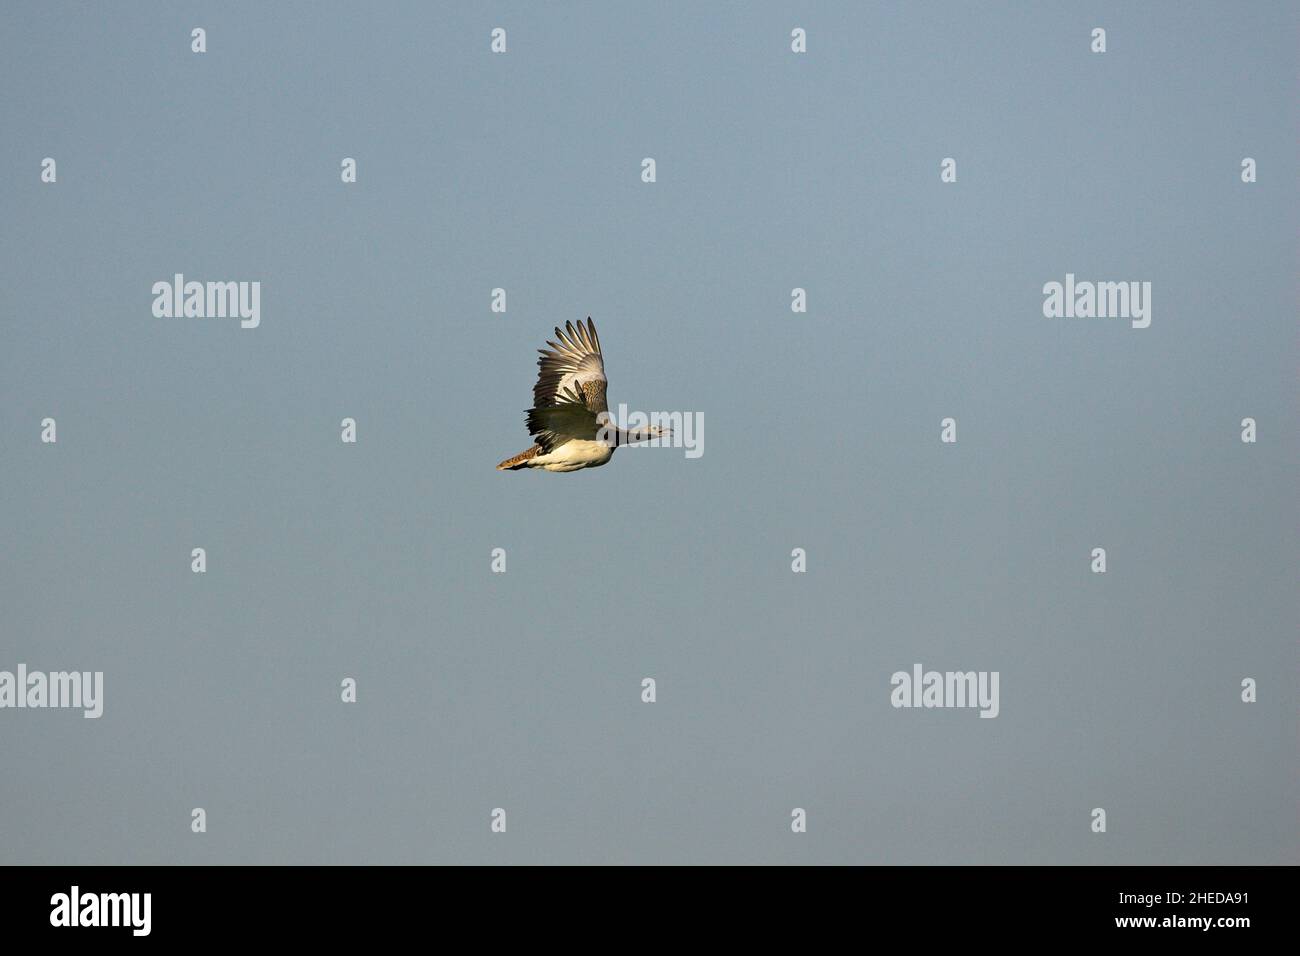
569,420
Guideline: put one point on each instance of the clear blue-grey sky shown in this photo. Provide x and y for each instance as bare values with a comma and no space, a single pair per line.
522,690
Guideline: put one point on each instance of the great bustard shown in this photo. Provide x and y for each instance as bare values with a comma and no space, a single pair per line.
569,420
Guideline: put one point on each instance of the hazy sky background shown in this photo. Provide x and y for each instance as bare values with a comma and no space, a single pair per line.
522,690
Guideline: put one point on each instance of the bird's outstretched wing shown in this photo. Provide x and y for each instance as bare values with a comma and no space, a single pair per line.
567,418
572,362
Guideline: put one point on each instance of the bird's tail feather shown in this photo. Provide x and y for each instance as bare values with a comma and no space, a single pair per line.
520,460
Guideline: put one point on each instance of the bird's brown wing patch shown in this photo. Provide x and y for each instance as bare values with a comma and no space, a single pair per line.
574,359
